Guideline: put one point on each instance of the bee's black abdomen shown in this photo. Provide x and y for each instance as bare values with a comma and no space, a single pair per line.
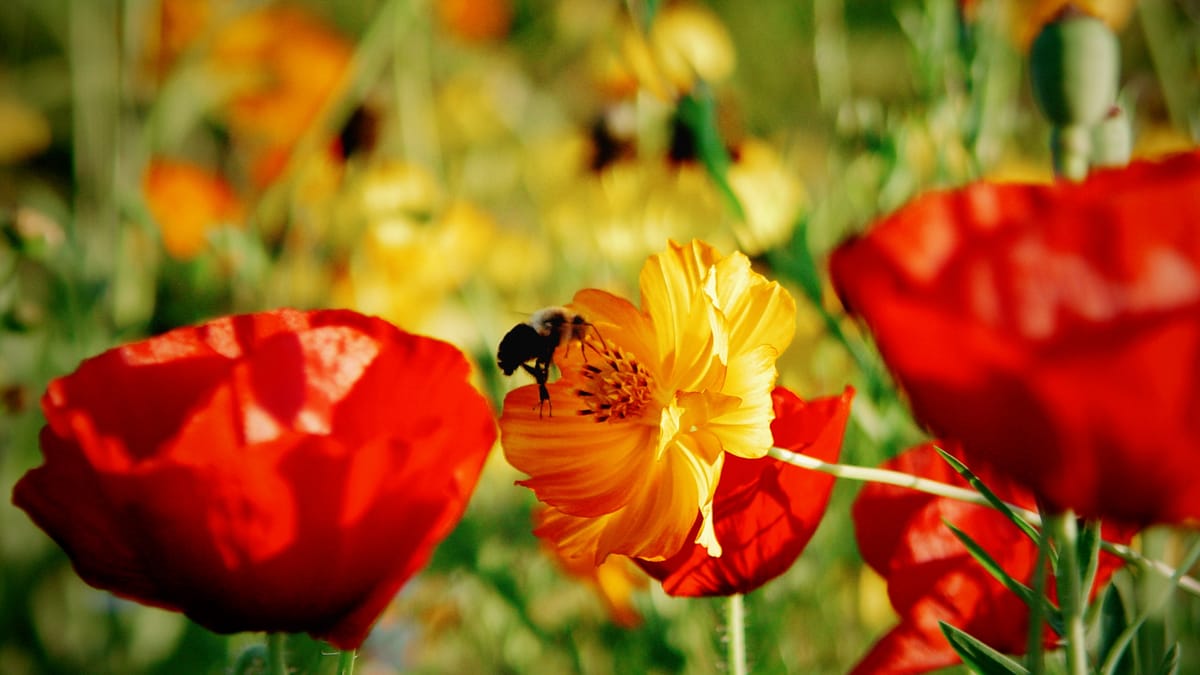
518,346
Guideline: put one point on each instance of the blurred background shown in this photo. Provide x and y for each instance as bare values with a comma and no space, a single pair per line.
453,165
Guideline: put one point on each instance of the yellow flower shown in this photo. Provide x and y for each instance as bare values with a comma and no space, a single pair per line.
647,406
686,43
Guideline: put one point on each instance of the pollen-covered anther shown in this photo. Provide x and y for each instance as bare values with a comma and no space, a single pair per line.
617,391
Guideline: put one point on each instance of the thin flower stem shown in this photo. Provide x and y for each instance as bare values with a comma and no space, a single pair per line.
873,475
346,662
898,478
735,633
1065,531
276,659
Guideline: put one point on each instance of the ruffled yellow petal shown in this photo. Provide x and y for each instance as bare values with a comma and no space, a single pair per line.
759,312
669,282
742,430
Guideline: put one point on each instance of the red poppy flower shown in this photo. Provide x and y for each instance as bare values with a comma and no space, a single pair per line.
282,471
765,511
931,576
1053,330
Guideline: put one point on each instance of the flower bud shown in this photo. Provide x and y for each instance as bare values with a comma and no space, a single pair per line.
1074,66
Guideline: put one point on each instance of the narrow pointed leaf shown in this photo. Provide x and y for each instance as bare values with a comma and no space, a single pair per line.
1051,613
1088,546
1170,662
1113,623
978,656
1000,505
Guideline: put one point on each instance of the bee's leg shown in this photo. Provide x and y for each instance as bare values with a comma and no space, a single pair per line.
540,370
583,343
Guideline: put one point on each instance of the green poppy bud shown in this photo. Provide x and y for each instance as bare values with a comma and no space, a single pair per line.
1074,67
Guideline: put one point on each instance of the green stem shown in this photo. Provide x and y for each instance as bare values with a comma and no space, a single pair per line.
898,478
346,662
1065,531
933,487
413,80
1164,41
735,628
830,56
1035,645
276,658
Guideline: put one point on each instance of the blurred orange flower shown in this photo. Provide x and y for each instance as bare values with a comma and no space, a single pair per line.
633,451
187,201
1026,17
283,66
614,580
476,20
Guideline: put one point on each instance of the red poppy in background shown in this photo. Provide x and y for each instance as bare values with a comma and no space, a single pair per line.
932,577
765,511
282,471
1053,330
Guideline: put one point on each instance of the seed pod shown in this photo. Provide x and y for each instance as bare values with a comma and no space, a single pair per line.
1074,66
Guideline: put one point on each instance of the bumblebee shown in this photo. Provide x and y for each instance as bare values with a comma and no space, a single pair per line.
535,340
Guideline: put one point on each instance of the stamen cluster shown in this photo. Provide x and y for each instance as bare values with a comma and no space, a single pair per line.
617,390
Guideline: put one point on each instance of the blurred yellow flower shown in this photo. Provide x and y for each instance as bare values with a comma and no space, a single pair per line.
632,206
631,209
650,402
770,194
187,201
24,131
686,43
416,247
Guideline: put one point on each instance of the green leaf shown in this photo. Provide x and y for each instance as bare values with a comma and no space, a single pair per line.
802,266
1170,662
1113,623
1053,616
1088,547
978,656
698,110
1000,505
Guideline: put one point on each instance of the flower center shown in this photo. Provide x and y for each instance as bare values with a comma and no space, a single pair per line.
616,388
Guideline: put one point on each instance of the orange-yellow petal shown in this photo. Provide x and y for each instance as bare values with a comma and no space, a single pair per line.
575,464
